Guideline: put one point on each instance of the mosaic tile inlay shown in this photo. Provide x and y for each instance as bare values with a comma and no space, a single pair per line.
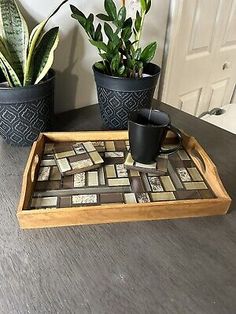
111,182
76,157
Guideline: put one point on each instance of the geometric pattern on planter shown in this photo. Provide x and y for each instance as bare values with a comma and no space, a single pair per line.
115,106
21,123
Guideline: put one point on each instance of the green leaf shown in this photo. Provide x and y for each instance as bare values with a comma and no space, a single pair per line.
110,8
128,23
98,33
99,44
104,17
37,34
82,20
126,34
100,66
76,11
121,16
149,52
16,34
149,3
108,31
115,62
143,5
44,54
137,54
138,21
89,25
121,70
6,73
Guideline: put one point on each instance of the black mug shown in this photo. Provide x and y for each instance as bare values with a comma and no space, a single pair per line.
147,132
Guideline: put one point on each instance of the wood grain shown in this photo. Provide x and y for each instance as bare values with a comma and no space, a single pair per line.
167,267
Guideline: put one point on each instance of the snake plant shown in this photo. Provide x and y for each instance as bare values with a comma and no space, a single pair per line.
121,53
25,59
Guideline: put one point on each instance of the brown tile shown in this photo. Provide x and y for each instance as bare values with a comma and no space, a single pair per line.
48,148
68,182
206,194
55,174
78,157
111,161
120,145
60,148
137,185
111,198
187,195
64,201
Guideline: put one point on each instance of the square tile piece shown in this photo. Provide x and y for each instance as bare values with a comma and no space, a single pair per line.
159,167
72,158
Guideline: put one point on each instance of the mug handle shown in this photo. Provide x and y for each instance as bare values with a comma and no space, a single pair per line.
179,136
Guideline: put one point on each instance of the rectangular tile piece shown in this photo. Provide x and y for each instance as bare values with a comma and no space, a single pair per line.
110,146
48,162
120,145
206,194
146,182
64,201
92,178
89,147
143,197
68,182
55,174
48,148
84,199
195,174
183,174
113,161
78,157
99,146
64,154
129,160
118,182
110,171
111,198
79,180
155,184
195,186
97,159
62,147
174,176
183,155
114,154
187,195
121,171
130,198
137,185
82,164
162,163
79,148
146,166
101,176
44,202
162,196
63,165
167,183
134,173
47,185
44,173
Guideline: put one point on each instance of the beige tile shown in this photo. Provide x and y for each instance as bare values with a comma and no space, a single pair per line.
118,182
110,146
167,183
48,148
195,186
194,173
89,146
65,154
183,155
92,178
44,173
55,174
110,171
81,164
162,196
129,160
146,166
79,180
44,202
130,198
84,199
97,159
134,173
48,163
114,154
63,165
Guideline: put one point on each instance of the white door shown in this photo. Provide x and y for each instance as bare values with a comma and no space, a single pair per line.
201,63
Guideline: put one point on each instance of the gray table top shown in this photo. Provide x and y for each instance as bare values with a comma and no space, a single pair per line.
176,266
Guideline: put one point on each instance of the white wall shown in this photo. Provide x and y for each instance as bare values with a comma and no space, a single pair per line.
75,85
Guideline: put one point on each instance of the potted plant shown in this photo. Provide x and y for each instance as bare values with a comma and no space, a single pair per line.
125,77
27,95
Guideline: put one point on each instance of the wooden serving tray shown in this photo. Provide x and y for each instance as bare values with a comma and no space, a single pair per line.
191,187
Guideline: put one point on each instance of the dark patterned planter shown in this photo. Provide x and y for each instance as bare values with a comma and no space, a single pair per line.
26,111
118,96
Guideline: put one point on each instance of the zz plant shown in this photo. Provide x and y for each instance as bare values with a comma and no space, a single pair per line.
24,59
120,51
